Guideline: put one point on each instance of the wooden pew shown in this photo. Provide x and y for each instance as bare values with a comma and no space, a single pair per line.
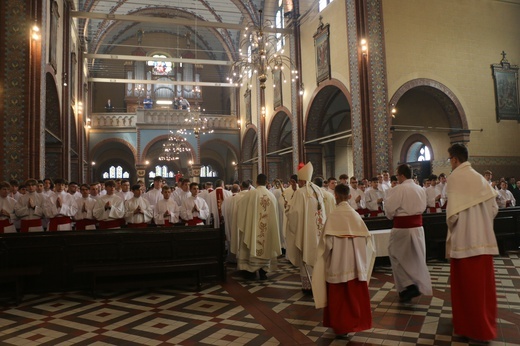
506,227
123,258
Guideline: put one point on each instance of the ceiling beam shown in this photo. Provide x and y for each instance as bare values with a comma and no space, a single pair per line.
161,82
148,58
169,21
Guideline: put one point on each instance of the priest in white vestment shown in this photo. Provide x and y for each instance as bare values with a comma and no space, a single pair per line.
405,204
216,198
471,245
234,234
259,230
138,211
305,219
345,261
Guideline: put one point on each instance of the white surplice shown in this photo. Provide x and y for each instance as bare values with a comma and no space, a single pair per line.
406,248
345,252
162,207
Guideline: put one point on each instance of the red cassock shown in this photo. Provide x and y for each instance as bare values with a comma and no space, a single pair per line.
468,286
348,308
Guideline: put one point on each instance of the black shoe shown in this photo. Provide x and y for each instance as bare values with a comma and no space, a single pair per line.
343,336
410,292
262,274
307,292
249,275
414,291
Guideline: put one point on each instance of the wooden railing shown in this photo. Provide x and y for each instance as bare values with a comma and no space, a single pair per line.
175,119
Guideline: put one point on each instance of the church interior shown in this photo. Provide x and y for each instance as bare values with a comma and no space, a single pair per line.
92,90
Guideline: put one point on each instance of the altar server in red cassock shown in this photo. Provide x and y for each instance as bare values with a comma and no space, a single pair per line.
471,244
344,264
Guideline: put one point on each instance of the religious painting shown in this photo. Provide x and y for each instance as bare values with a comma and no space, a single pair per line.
55,17
247,100
505,77
73,69
322,48
277,88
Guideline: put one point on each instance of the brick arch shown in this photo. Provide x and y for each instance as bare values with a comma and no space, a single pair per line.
275,128
412,140
164,138
114,140
442,94
248,142
225,143
318,103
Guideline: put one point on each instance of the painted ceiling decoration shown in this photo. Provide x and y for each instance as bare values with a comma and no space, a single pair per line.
205,27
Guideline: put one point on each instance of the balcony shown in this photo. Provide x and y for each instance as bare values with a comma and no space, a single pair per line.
159,117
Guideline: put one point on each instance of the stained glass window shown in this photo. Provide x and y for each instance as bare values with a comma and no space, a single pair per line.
208,172
162,68
116,173
424,154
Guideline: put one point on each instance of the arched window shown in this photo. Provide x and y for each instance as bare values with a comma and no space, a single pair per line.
280,24
418,151
322,4
424,154
161,68
116,173
207,172
162,171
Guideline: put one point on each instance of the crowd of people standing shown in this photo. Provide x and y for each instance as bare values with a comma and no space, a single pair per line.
317,223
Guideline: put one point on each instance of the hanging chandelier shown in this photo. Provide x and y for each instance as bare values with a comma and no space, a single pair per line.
195,124
261,53
173,148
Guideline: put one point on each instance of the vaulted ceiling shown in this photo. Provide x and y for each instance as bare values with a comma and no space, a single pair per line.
210,28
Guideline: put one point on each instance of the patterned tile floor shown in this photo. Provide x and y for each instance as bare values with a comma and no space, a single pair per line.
246,312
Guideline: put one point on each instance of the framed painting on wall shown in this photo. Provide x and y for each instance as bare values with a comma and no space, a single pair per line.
247,100
277,88
322,47
505,78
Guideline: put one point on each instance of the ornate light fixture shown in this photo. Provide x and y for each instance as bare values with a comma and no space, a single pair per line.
173,148
260,54
195,125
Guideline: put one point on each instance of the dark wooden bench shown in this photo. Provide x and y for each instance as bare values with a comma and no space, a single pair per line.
89,260
15,276
140,274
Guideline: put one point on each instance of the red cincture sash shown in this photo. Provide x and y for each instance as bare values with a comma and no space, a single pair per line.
137,225
26,224
56,221
110,224
4,223
409,221
81,225
167,223
194,222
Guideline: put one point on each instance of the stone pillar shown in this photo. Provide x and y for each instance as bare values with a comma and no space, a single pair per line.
195,173
314,154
